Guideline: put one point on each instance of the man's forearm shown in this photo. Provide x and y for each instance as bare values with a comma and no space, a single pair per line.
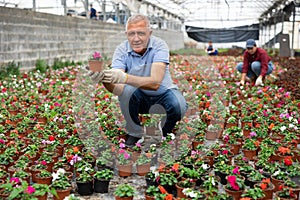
116,89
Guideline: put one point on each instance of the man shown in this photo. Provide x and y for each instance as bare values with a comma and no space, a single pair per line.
141,78
210,49
93,12
256,65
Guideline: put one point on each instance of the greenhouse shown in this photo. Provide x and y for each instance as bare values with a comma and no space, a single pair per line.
149,99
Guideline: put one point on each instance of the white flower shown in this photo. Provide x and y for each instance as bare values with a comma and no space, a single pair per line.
205,166
61,171
172,136
277,172
54,176
282,128
213,181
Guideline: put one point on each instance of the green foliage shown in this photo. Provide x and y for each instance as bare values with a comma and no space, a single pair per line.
152,190
41,65
106,174
59,64
254,193
84,177
10,69
124,190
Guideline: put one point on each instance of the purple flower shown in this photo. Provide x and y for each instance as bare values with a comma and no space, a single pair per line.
252,134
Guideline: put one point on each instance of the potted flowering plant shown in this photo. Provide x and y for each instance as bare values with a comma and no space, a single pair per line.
96,62
124,190
253,193
102,179
42,190
285,192
235,186
61,184
85,183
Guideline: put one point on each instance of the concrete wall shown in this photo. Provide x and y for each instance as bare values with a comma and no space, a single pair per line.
26,36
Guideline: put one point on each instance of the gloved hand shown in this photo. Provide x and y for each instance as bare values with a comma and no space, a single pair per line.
259,81
114,76
242,82
94,76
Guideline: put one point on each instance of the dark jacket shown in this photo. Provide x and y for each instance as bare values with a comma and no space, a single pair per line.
261,56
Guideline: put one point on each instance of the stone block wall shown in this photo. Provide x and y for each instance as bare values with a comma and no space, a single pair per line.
26,36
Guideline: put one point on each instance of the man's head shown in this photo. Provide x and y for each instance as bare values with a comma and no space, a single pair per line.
138,32
251,46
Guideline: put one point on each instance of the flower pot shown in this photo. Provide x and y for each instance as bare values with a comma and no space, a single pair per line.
235,194
125,170
268,191
250,154
101,186
96,65
123,198
196,143
143,169
179,190
276,195
44,197
43,180
84,188
61,194
276,182
211,135
147,197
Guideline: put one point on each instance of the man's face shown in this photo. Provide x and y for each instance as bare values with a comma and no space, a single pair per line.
138,35
251,50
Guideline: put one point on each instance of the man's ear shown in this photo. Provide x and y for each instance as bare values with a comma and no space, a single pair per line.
150,32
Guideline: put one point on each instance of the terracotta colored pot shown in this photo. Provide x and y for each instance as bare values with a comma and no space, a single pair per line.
96,65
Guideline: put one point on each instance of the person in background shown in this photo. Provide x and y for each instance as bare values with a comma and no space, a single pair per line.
141,78
93,12
210,50
256,64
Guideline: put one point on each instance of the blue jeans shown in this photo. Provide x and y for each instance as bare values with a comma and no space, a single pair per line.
255,68
134,102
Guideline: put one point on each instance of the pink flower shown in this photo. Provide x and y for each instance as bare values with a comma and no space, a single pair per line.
122,145
225,151
14,180
121,151
232,182
252,134
236,170
2,141
43,162
57,104
29,190
138,145
97,55
126,155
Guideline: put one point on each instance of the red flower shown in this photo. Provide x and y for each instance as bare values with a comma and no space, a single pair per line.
51,138
162,189
288,161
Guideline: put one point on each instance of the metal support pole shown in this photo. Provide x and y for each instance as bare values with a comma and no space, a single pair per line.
293,30
33,5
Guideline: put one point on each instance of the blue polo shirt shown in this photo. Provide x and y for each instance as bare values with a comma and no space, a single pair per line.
140,65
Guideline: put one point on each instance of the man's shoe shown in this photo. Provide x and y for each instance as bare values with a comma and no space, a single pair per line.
131,141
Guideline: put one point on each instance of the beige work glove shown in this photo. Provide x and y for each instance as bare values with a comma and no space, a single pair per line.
96,76
259,81
242,82
114,76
